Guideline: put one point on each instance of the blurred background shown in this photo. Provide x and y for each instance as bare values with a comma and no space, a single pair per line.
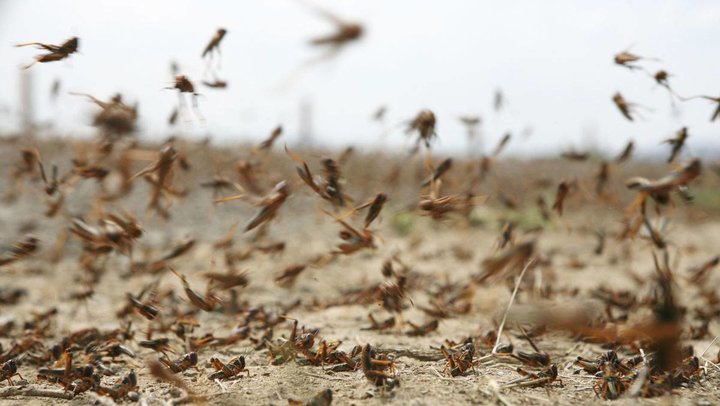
551,61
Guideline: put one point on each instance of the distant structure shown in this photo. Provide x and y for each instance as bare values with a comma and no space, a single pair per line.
306,124
27,102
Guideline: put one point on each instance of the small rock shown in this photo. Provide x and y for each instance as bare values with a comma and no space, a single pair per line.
22,382
134,396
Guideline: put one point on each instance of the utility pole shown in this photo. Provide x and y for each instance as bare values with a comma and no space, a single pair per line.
306,124
27,102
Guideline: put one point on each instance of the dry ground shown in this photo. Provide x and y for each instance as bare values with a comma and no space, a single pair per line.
426,246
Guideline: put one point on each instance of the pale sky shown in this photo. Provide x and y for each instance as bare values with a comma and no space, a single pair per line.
552,60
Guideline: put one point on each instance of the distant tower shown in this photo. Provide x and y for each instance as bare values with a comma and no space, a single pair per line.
306,124
27,103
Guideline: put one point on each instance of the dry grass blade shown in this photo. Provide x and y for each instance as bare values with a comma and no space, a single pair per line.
510,303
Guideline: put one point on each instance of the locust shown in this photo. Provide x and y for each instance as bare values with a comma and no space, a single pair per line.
458,362
228,280
626,153
513,258
444,166
354,239
121,389
286,278
234,368
216,84
374,206
20,250
330,187
346,32
486,162
498,100
55,52
159,175
378,370
214,45
159,345
677,143
601,178
625,107
627,59
115,118
184,85
573,155
716,100
424,124
181,364
146,310
699,274
206,303
323,398
562,191
269,204
438,206
8,370
274,135
379,114
659,190
382,325
421,330
535,379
